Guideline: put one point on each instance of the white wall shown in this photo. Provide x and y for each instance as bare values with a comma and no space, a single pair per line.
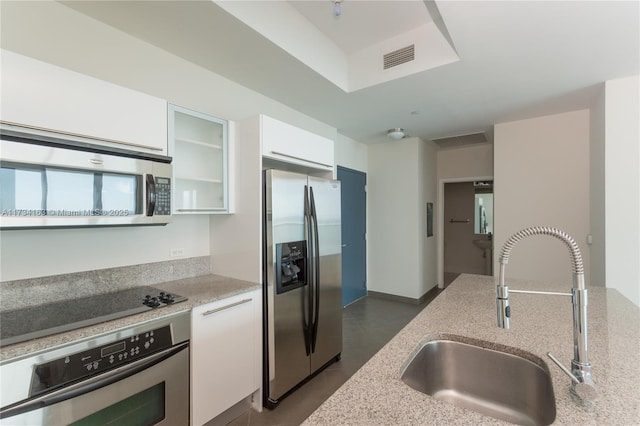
236,240
427,193
38,253
541,178
54,33
464,162
397,183
622,180
350,153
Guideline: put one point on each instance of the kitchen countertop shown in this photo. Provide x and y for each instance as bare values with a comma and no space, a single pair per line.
375,395
199,290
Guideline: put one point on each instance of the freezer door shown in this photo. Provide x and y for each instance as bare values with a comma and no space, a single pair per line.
285,313
328,343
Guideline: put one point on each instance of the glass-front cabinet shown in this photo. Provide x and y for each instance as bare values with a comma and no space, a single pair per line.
199,146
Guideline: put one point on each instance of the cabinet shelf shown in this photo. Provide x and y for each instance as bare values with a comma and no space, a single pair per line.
198,179
197,142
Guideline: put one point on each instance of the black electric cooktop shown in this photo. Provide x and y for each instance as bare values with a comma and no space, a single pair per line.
34,322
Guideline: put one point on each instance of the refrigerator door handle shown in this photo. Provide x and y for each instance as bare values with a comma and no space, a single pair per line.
306,307
316,277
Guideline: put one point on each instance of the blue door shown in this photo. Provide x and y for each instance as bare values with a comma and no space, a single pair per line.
354,227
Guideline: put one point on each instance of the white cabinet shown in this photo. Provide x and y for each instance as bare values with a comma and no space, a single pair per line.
226,354
43,96
199,144
290,144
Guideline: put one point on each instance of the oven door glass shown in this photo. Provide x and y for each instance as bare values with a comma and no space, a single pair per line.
151,391
145,408
48,191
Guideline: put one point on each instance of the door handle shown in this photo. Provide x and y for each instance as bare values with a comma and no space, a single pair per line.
93,383
301,159
316,277
222,308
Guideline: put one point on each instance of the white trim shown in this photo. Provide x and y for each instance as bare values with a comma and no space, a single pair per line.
440,219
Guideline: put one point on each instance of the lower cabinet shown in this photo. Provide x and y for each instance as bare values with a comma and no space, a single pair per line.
225,354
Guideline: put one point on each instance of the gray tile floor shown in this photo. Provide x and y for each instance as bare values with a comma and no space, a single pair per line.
368,325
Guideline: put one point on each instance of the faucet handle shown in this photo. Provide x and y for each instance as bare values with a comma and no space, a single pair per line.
564,369
585,390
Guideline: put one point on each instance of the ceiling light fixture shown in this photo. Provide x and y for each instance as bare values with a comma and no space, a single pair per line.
396,134
337,8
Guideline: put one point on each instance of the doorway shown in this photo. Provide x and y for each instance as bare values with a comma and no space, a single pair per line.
354,228
466,225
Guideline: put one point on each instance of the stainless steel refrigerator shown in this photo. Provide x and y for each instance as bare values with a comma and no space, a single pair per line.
302,279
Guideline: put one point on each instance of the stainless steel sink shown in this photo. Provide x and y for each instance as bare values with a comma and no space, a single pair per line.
489,381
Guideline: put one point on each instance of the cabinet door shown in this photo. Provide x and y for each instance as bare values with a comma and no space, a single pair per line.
200,164
284,142
43,96
225,354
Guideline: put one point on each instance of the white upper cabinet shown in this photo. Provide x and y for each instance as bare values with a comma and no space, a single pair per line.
286,143
199,144
43,96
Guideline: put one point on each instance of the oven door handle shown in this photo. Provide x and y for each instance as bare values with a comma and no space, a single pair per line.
91,384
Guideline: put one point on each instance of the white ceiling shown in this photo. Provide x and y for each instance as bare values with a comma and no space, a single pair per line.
517,58
363,22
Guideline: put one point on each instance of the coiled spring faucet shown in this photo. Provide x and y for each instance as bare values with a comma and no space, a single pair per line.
583,384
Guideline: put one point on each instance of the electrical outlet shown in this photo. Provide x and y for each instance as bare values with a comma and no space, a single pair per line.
177,252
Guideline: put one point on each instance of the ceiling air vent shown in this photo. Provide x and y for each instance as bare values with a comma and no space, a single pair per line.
400,56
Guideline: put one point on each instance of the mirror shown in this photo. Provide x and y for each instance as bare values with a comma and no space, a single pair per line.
483,216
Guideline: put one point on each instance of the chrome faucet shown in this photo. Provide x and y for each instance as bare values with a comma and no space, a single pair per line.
583,384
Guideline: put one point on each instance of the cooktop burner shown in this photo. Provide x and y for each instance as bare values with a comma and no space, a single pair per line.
34,322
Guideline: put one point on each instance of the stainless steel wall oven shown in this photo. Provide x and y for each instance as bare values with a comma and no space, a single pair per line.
132,376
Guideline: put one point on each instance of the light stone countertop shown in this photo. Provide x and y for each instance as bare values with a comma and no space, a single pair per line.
199,290
375,395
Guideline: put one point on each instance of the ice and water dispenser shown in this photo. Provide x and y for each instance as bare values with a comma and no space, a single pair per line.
291,265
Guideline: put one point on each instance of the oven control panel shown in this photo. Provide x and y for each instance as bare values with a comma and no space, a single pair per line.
70,368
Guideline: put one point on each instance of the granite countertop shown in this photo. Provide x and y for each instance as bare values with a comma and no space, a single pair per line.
199,290
375,395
